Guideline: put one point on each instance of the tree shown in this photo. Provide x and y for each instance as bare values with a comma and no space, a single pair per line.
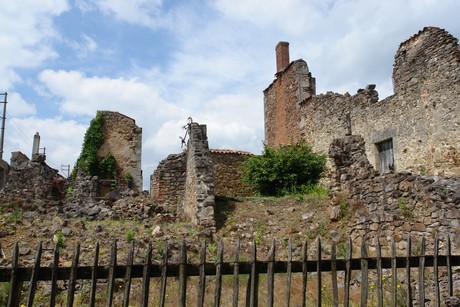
284,170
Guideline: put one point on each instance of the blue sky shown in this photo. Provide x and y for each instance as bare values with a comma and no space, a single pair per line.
160,62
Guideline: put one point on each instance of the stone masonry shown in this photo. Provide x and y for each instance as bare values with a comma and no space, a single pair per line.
393,205
218,170
167,183
420,122
32,185
198,203
228,173
123,140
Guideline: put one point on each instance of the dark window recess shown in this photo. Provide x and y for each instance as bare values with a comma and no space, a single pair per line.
387,164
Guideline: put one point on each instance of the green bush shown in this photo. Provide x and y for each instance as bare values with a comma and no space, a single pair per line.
288,169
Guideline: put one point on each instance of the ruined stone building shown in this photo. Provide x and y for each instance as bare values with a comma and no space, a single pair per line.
123,140
189,181
416,129
31,183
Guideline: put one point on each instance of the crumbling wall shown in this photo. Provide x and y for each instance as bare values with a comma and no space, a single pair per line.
228,173
4,170
394,205
198,203
123,140
167,183
215,172
421,118
282,101
32,186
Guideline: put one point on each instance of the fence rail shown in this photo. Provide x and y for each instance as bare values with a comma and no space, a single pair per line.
16,275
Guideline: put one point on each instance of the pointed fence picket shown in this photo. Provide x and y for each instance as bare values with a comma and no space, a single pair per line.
16,275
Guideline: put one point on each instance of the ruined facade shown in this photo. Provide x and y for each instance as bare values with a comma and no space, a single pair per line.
32,185
123,140
228,173
167,183
198,202
189,182
416,129
392,205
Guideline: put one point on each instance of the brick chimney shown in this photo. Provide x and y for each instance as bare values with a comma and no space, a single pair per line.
282,56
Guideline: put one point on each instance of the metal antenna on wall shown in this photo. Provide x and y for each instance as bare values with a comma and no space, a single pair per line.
3,125
183,139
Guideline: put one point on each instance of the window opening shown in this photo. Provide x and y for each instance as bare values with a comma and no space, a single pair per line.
386,157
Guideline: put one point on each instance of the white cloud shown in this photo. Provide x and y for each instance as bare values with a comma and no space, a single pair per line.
234,122
85,46
17,106
61,138
82,95
25,32
292,16
146,13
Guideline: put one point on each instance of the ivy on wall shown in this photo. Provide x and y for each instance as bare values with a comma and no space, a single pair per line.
88,162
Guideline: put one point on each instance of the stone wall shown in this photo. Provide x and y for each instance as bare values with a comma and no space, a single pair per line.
32,186
394,205
189,181
4,170
167,183
198,202
123,140
421,118
228,173
282,101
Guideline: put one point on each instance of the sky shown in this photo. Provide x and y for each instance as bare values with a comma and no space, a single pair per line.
161,61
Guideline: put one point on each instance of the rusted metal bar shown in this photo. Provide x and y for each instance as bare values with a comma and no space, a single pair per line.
271,274
73,276
112,269
92,297
289,274
128,275
34,278
364,274
220,256
236,274
304,273
182,276
335,290
146,276
202,281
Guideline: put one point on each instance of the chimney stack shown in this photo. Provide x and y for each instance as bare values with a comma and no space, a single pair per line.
36,145
282,56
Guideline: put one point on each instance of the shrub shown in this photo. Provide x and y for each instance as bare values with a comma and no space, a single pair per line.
285,170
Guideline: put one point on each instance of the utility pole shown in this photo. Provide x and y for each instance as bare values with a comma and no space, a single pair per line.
3,125
65,169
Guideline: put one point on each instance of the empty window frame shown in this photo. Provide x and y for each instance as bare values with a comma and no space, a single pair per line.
386,157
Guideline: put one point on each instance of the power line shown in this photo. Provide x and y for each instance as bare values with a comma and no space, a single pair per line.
3,126
21,134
